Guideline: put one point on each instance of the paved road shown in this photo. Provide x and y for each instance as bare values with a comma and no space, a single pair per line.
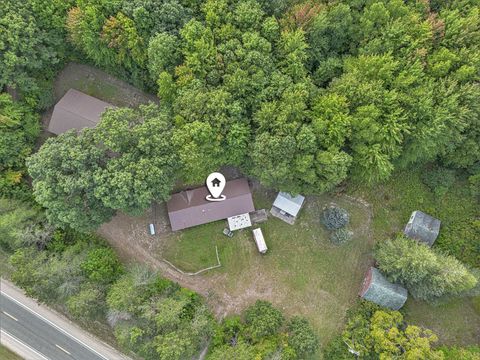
41,335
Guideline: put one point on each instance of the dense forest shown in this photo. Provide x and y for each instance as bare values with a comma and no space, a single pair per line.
304,96
301,96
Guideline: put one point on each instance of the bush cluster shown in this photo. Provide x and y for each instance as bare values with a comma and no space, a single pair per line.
263,333
439,179
341,236
335,217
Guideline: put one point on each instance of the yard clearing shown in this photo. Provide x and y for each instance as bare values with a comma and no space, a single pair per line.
302,272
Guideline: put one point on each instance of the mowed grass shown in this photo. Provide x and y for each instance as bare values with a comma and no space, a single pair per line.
302,272
6,354
456,322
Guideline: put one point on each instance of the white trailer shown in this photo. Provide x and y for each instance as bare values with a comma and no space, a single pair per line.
260,241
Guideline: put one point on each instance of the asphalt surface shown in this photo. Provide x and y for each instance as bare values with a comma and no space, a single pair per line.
40,334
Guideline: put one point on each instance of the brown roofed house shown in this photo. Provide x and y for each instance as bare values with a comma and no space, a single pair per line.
76,110
190,208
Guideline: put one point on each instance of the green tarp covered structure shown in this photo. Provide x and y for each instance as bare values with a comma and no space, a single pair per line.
377,289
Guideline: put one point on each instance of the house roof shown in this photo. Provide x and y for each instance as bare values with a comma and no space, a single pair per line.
288,203
190,208
377,289
422,227
76,110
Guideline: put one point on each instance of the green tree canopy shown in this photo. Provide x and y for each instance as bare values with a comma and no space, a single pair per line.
427,274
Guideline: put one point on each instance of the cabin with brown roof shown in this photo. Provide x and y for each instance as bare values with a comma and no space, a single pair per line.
190,207
76,110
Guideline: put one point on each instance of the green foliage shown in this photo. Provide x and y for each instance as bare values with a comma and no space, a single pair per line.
335,218
262,335
64,183
102,266
336,349
301,337
341,236
372,333
163,54
262,319
32,45
455,352
428,275
19,128
88,303
439,180
175,322
15,218
384,335
143,169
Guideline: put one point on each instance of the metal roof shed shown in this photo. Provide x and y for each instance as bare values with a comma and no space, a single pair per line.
422,227
377,289
286,207
288,203
76,110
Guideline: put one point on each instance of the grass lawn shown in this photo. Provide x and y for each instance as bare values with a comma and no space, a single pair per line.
457,322
302,272
6,354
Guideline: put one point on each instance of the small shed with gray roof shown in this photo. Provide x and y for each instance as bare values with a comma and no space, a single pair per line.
76,110
377,289
286,207
422,227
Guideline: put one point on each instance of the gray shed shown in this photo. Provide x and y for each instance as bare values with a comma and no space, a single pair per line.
377,289
287,207
76,110
422,227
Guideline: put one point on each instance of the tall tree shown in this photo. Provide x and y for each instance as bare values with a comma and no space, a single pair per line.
63,173
426,274
142,164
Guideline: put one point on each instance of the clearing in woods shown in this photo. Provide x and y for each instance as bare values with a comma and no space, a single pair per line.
302,272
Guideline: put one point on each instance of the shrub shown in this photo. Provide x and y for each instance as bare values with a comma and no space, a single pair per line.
335,217
102,265
262,320
301,337
88,303
439,180
341,236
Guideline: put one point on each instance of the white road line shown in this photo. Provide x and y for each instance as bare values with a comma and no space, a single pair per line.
3,332
10,316
55,326
61,348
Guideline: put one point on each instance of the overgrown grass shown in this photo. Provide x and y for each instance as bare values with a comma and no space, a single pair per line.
393,202
302,272
6,354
